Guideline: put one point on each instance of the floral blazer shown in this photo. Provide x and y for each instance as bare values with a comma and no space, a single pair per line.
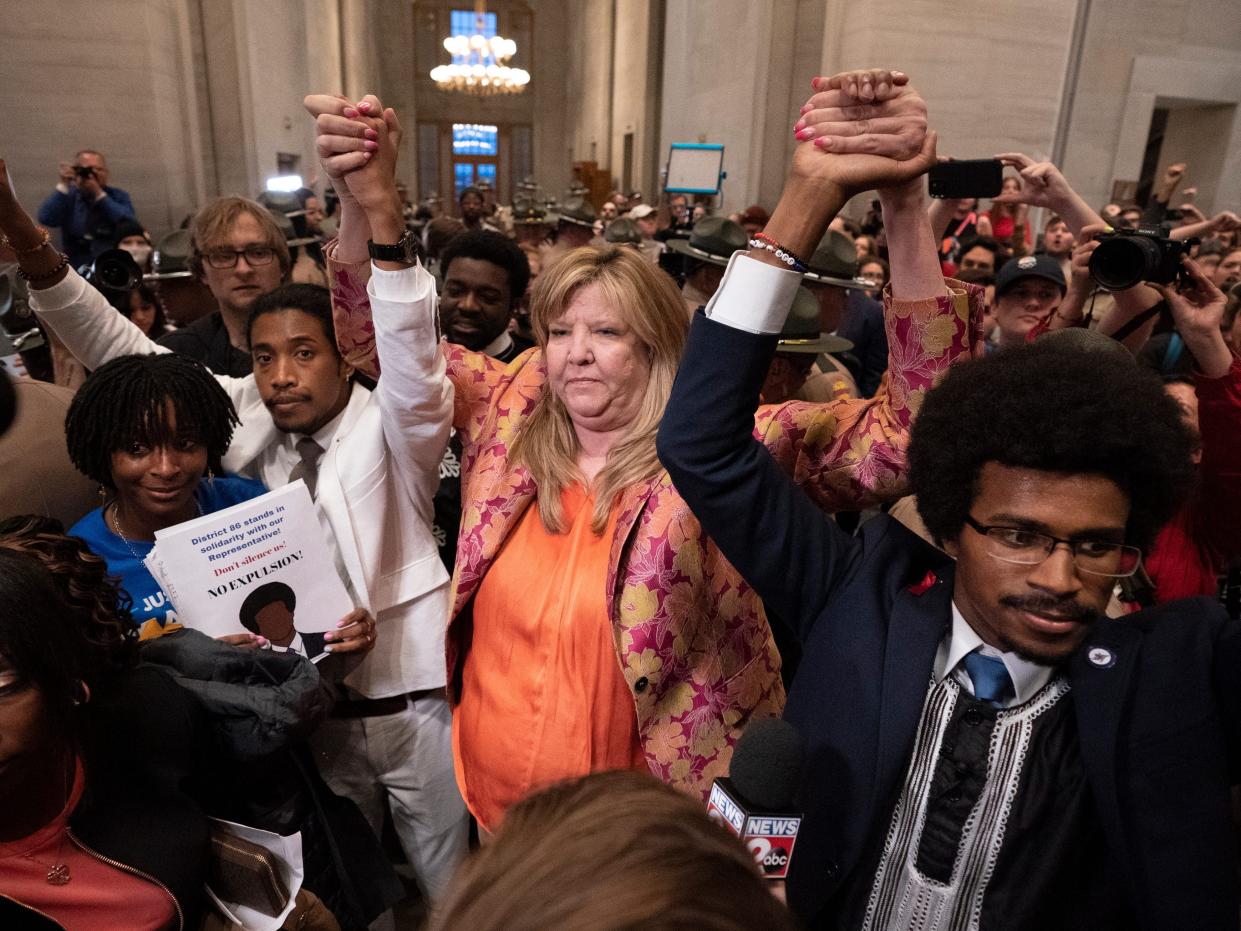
691,636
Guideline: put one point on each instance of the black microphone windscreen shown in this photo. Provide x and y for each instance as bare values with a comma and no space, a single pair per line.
8,402
767,764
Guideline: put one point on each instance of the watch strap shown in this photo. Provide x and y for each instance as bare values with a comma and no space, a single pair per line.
404,250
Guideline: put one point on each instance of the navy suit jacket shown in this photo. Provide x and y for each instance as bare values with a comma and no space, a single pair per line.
1159,724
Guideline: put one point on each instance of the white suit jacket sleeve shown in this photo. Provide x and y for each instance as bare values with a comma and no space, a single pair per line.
415,395
95,332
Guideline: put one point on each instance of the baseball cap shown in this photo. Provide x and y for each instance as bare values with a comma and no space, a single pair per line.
1030,266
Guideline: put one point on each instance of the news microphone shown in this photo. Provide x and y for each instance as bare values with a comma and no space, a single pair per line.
8,402
755,800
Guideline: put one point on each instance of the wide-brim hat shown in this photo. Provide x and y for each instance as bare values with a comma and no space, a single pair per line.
578,211
835,263
285,223
623,232
713,239
801,331
528,213
171,257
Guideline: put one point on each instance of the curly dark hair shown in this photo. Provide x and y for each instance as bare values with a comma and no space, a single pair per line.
495,248
96,601
1055,408
126,401
312,299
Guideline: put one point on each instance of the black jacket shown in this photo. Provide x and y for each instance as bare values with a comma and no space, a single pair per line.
206,341
142,757
260,706
1159,723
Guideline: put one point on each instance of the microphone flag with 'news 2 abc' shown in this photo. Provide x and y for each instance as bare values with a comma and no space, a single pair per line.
755,800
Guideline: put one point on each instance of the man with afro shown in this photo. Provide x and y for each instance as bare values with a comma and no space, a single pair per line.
985,749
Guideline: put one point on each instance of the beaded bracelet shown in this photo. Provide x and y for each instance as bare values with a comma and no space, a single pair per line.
784,255
34,279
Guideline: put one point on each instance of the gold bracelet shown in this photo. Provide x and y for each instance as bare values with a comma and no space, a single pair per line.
47,238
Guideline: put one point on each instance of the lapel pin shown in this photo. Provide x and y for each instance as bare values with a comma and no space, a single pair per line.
1102,658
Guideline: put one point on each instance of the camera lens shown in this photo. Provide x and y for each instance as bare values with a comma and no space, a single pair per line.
1123,261
115,270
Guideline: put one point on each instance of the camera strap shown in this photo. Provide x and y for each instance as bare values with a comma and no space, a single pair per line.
1129,328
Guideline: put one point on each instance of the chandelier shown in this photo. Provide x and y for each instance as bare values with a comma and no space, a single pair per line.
480,63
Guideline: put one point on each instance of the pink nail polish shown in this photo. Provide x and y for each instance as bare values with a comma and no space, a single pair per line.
371,144
806,108
806,133
823,142
364,105
799,126
350,112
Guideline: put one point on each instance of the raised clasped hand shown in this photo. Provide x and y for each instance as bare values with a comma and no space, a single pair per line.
864,129
357,145
8,208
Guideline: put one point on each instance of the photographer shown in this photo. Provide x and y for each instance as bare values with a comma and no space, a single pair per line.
85,208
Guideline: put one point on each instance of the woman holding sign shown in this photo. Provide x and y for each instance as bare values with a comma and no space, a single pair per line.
151,430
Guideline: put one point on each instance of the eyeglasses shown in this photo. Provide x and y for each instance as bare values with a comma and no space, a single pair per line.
1029,548
227,258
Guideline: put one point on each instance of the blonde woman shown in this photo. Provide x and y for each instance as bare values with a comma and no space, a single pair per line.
594,624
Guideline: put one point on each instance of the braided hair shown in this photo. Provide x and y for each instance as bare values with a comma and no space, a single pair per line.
128,401
97,603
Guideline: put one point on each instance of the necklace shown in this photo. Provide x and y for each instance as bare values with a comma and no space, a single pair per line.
57,872
116,526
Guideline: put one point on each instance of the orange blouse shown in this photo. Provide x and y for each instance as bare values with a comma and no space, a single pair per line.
542,696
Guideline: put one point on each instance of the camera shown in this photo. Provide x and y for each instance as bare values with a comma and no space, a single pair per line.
1129,257
83,172
114,270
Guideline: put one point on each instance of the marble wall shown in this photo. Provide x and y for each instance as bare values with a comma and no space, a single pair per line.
190,98
1139,54
114,77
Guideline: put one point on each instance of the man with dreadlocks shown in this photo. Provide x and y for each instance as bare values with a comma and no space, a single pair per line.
149,430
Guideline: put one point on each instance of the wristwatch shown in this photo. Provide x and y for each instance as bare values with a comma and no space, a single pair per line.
405,251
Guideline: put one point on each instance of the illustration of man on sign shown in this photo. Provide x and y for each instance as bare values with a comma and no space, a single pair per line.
268,612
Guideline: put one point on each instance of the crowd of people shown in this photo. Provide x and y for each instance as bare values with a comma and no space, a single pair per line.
607,483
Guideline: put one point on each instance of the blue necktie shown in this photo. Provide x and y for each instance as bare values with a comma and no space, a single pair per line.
990,677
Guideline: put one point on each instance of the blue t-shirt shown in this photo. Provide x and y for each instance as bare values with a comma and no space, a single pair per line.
152,610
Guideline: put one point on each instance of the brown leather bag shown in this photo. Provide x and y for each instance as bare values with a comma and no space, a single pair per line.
245,872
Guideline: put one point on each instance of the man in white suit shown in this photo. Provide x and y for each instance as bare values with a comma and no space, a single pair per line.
372,462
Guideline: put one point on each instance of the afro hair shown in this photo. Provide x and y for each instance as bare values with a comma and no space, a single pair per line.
1055,408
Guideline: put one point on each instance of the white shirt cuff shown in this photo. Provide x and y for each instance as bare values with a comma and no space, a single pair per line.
64,293
402,286
754,296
